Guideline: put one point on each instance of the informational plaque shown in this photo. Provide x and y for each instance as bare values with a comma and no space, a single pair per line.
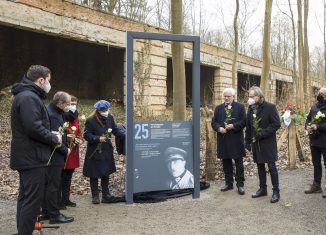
163,155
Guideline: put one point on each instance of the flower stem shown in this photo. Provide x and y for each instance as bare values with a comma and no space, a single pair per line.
57,146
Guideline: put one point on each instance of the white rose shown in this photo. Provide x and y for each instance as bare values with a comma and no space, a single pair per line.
109,130
73,128
229,107
65,125
82,117
254,115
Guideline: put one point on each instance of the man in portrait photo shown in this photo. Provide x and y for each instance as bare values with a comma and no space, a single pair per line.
180,177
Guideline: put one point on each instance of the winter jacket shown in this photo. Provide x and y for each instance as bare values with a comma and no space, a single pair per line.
56,121
318,138
31,136
264,145
99,159
231,144
73,159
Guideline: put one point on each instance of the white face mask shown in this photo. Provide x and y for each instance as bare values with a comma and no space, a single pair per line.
66,109
251,101
72,108
105,114
47,87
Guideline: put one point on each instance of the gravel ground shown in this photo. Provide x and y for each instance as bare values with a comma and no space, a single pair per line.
214,213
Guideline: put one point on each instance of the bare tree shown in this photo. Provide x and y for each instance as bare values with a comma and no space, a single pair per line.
300,91
305,58
266,47
179,77
236,44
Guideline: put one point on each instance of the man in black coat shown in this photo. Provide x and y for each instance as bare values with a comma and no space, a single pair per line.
229,121
31,143
316,127
59,105
262,123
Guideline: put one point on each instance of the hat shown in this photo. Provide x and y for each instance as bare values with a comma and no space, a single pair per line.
173,153
102,104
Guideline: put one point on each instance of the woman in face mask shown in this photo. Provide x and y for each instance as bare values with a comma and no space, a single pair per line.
99,159
72,161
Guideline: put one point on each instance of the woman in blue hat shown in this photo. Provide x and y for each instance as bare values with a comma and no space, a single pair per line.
99,159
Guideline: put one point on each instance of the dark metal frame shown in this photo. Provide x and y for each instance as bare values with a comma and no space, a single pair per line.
130,104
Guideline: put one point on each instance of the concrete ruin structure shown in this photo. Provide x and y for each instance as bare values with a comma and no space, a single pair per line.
85,50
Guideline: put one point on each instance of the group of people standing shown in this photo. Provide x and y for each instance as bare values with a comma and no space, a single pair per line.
261,123
45,149
46,156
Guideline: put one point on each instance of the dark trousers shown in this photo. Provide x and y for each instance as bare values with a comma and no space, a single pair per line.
64,193
262,175
31,192
52,187
316,153
104,185
239,171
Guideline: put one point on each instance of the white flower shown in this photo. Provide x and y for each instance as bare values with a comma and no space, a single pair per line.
82,117
229,107
65,125
254,115
73,128
109,130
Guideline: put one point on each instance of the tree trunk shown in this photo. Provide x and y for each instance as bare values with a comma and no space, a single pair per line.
111,6
97,4
266,48
300,94
179,77
305,58
294,67
236,44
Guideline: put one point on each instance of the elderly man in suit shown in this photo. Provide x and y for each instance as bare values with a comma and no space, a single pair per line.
228,121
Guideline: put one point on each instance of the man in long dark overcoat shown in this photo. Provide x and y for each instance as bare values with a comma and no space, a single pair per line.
228,121
262,123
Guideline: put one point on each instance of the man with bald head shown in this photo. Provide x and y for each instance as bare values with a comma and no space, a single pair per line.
317,137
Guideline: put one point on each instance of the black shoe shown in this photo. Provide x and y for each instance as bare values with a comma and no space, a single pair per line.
261,192
226,188
43,217
108,199
70,203
60,219
275,197
241,190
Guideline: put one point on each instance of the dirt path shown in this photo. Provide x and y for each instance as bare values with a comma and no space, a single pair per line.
214,213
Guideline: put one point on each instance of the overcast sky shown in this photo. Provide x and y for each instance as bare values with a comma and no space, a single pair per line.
315,18
212,8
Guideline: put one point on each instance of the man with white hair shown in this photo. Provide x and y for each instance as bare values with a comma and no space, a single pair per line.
228,121
316,127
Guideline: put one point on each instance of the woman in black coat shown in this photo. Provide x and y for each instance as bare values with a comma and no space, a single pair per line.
99,159
262,123
229,121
